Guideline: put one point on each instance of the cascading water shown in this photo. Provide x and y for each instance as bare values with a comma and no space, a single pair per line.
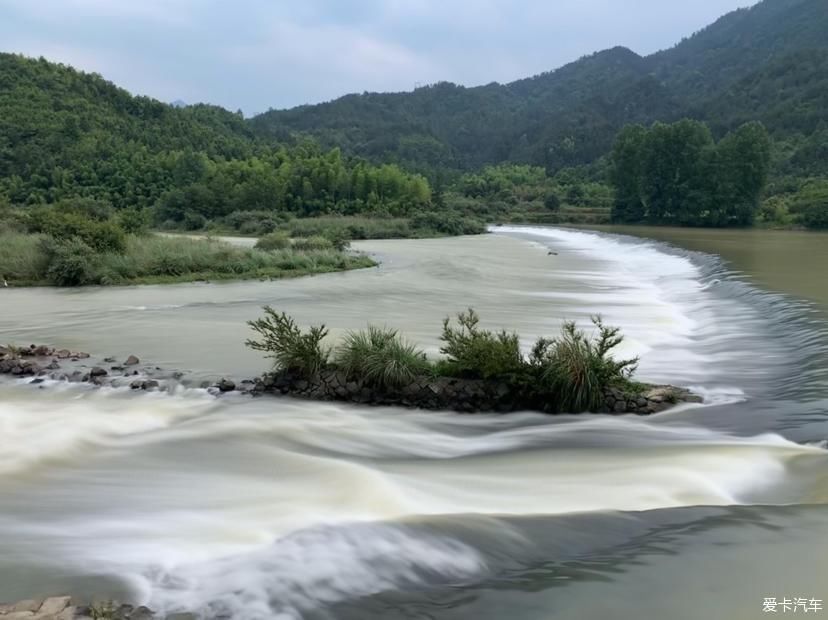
278,508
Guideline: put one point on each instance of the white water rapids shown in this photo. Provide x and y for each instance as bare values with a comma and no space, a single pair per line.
275,508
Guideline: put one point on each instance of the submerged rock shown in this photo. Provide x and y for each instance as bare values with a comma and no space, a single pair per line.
225,385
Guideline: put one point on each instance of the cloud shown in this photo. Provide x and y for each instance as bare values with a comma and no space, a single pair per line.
256,54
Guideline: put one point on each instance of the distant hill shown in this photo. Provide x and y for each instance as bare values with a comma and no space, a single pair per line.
766,63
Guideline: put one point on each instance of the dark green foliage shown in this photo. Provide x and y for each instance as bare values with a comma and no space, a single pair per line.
567,374
66,222
575,369
273,241
65,134
381,358
476,353
292,349
70,262
312,243
446,223
676,174
811,205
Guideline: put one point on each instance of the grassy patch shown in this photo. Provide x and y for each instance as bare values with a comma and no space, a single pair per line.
28,260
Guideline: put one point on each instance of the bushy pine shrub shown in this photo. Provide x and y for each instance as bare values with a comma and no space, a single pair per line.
292,349
477,353
381,358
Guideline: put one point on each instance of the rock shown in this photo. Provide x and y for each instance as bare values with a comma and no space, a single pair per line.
150,384
37,381
142,613
620,406
109,360
54,605
137,384
31,605
97,371
63,354
117,368
19,615
225,385
132,361
53,365
82,356
181,616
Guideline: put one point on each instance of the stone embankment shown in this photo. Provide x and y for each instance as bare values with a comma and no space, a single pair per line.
441,393
463,395
63,608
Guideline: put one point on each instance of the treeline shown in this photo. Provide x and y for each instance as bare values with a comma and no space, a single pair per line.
677,174
68,135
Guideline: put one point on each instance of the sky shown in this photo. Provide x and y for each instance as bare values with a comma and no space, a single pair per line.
259,54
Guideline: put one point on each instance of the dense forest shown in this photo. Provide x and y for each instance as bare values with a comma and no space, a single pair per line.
65,134
677,174
767,63
575,144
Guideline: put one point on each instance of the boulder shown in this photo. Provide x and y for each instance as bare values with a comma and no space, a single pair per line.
132,361
97,371
54,605
225,385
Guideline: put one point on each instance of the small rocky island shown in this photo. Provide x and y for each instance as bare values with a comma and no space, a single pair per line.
482,371
461,395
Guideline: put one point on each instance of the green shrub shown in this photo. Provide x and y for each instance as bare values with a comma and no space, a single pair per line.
476,353
194,221
575,369
273,241
134,221
811,205
446,223
70,262
317,242
381,358
291,349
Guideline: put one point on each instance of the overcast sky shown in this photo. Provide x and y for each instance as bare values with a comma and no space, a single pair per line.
258,54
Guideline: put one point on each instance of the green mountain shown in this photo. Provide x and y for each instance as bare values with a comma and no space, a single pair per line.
65,134
767,62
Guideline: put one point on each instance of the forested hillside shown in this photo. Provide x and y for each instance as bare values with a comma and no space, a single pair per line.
765,63
65,134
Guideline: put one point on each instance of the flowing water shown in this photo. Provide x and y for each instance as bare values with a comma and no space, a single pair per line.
275,508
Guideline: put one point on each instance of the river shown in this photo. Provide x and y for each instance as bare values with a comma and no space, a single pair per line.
274,508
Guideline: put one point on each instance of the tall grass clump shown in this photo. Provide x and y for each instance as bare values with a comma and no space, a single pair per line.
291,349
381,358
22,259
576,368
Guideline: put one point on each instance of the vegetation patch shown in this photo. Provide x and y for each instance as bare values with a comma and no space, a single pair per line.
62,246
573,372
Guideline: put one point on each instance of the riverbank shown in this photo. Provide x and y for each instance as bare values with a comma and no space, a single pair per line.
37,260
65,608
